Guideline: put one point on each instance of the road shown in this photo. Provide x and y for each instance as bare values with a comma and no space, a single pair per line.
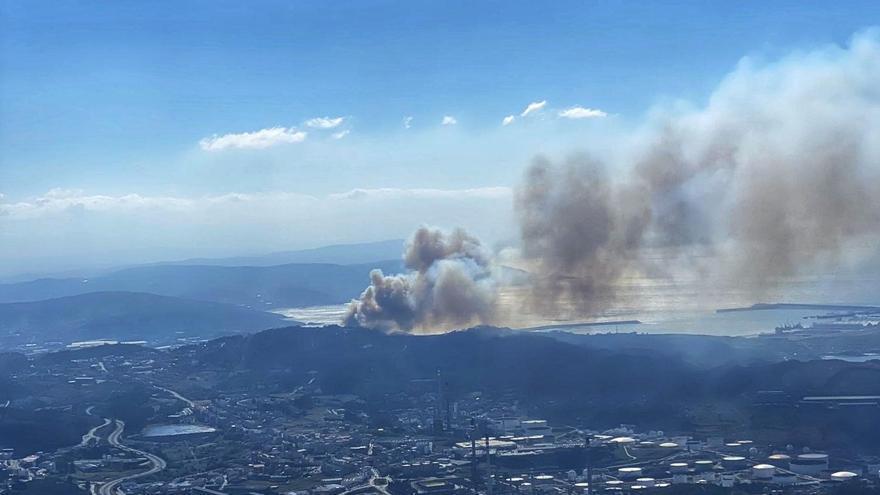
111,487
371,485
190,404
91,434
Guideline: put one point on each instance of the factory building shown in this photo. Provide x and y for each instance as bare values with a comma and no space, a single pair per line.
535,427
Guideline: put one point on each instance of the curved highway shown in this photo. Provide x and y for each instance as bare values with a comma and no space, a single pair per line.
190,404
91,434
157,463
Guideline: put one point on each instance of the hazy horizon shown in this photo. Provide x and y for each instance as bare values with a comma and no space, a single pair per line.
140,160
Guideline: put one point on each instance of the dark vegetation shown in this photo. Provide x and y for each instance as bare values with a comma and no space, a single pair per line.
660,382
29,431
602,385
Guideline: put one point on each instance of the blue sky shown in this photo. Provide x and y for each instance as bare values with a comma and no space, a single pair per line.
114,98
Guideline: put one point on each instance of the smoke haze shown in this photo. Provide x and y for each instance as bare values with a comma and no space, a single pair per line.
774,177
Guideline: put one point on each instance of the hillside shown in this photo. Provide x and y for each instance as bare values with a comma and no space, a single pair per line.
126,316
340,254
256,287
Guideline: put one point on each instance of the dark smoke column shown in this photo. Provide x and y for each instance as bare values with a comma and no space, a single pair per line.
579,233
448,283
773,179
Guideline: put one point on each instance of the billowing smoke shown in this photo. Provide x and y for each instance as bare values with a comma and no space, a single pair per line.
778,173
448,283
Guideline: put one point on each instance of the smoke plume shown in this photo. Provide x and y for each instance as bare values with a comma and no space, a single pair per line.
778,173
448,282
775,176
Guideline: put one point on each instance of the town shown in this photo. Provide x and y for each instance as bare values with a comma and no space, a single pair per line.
297,438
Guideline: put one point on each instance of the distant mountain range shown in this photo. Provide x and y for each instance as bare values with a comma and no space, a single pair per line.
255,287
339,254
126,316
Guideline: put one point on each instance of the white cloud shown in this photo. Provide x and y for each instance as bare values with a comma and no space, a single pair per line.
407,121
578,112
325,122
535,106
58,200
508,120
425,193
264,138
341,134
448,120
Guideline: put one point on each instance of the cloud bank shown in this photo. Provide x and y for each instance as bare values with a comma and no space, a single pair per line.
68,229
578,112
535,106
325,122
257,140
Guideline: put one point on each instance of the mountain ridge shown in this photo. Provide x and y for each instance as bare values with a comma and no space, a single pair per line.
127,316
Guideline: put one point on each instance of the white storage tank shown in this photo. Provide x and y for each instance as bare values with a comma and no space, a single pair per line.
629,473
734,462
622,440
542,479
779,458
841,476
763,472
678,467
646,482
811,463
703,465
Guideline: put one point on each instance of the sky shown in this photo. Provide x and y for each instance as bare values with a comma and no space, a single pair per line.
140,131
